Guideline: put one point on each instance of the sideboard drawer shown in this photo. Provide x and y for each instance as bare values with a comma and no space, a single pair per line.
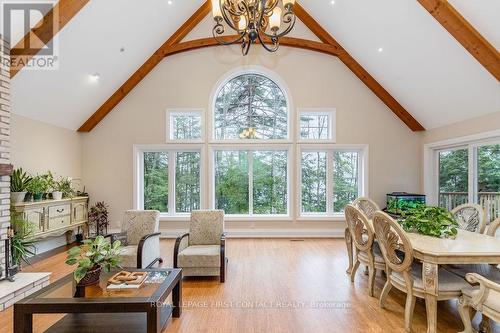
59,222
60,210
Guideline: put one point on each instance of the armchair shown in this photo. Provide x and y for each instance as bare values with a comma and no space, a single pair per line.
485,298
141,238
201,252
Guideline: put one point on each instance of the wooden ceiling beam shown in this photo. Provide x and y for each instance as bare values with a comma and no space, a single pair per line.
358,70
43,32
284,41
146,68
465,34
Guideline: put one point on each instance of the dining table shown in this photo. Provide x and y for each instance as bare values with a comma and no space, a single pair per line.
466,248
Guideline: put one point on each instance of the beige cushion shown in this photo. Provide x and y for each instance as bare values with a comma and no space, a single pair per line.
199,256
377,255
492,301
447,281
490,272
138,223
206,227
128,256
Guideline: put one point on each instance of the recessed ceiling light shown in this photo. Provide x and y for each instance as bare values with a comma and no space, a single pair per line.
94,77
380,49
332,2
170,2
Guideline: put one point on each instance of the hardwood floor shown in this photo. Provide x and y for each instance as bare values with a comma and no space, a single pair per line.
278,285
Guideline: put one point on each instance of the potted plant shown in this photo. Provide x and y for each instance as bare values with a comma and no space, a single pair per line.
98,218
91,258
431,221
22,241
62,187
19,181
37,187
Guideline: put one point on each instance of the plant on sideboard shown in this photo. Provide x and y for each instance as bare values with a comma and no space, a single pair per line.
431,221
22,240
98,218
92,257
38,186
19,181
62,187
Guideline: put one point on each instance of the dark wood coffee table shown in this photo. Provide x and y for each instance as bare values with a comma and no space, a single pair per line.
100,310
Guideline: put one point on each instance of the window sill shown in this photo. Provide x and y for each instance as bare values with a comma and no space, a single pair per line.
314,217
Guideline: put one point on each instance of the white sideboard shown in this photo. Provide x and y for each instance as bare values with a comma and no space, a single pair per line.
54,217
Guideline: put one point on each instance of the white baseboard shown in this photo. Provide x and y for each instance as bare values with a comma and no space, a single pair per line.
266,233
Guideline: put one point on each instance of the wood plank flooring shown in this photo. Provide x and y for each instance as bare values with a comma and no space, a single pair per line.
278,285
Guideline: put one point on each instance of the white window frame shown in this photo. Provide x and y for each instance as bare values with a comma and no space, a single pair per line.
252,147
431,162
138,153
259,71
170,113
362,150
332,124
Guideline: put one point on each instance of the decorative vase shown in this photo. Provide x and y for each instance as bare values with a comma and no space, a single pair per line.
57,195
91,278
37,196
17,197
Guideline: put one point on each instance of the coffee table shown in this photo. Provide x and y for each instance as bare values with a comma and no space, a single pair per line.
101,310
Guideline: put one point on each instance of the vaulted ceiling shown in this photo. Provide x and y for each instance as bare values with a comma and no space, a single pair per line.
421,65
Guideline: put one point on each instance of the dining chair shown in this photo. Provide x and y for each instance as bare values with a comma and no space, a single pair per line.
367,251
493,228
485,298
403,273
368,207
470,217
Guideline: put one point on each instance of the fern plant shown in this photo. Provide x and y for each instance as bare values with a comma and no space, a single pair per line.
431,221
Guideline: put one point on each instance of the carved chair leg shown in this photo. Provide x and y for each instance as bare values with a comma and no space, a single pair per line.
354,269
465,315
371,279
409,309
385,292
348,242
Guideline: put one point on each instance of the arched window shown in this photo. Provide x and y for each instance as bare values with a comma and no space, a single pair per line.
250,106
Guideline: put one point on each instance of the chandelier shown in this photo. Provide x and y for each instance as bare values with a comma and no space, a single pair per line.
254,21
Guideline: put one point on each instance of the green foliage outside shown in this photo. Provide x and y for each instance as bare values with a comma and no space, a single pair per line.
186,127
231,182
187,181
270,182
488,168
314,168
156,181
345,178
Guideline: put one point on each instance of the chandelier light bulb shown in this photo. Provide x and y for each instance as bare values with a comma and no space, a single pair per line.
275,20
242,24
216,11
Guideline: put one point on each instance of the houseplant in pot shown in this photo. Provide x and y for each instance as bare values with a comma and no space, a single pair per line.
62,187
19,181
92,257
22,240
430,221
37,187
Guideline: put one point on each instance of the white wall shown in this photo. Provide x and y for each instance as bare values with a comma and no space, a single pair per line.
188,79
38,147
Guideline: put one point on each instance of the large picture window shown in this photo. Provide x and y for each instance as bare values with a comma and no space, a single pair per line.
250,106
241,156
466,171
253,182
170,180
330,179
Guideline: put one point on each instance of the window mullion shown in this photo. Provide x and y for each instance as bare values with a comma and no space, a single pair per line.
472,174
171,182
329,182
250,182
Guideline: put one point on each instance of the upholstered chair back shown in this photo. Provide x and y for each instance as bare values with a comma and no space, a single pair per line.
359,227
206,227
394,243
137,223
366,205
470,217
